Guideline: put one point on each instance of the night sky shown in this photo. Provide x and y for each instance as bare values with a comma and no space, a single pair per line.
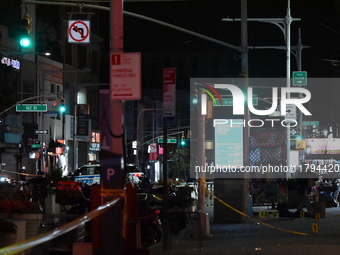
319,28
319,25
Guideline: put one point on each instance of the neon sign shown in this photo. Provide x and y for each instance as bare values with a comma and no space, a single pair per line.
10,62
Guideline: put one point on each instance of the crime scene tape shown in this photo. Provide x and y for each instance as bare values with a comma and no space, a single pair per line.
158,198
20,173
251,218
18,247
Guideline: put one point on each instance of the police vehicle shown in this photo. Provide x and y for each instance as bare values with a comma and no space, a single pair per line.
87,174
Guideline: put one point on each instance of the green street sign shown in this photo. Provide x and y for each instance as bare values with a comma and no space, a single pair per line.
35,146
310,123
300,78
173,140
229,102
31,107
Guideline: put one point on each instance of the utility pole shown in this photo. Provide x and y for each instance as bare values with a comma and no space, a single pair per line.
201,161
288,21
298,55
246,129
112,173
166,234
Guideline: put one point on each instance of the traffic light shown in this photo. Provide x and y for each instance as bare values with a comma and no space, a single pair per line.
195,96
55,105
183,142
61,106
25,31
301,145
296,139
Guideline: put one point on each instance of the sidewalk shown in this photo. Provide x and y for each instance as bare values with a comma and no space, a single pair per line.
253,237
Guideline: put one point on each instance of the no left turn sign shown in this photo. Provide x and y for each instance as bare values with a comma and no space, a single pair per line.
78,31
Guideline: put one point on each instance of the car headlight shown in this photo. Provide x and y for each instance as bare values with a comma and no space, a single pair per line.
2,179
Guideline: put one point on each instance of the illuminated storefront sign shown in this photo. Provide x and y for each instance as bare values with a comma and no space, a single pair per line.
95,141
10,62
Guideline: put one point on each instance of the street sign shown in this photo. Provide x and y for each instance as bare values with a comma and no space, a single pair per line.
229,102
78,31
290,112
300,78
31,107
169,92
310,123
125,81
152,148
35,146
294,131
41,132
171,140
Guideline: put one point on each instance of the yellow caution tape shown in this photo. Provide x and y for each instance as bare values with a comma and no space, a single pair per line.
203,181
158,198
20,173
261,222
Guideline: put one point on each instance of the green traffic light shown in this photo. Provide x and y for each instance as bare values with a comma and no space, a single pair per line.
25,42
182,142
195,101
62,108
298,138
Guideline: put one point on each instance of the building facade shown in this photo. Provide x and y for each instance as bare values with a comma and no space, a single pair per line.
48,139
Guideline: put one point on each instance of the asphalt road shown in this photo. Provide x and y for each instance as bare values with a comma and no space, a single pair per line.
308,236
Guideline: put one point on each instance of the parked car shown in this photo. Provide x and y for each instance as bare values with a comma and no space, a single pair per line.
90,174
5,178
87,174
